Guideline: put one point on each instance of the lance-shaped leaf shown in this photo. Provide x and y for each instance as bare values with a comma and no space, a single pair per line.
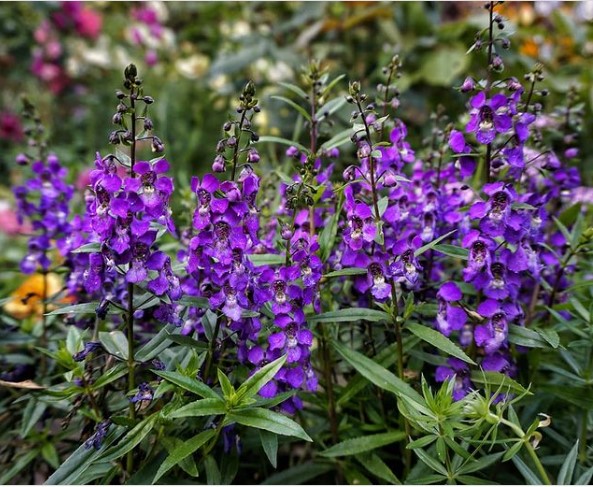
189,384
363,444
267,420
264,375
439,341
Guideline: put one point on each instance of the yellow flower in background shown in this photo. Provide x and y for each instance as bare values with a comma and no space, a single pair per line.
26,300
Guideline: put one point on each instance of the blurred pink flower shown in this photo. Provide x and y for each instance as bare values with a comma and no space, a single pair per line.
9,223
10,127
88,23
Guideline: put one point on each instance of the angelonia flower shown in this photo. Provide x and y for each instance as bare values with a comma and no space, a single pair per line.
506,231
42,202
96,439
225,232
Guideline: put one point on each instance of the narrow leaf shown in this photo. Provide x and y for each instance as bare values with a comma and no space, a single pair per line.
439,341
269,421
252,385
349,315
363,444
189,384
269,442
567,470
202,407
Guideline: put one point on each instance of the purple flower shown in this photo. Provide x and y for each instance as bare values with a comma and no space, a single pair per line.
145,393
489,117
449,317
460,370
96,439
89,348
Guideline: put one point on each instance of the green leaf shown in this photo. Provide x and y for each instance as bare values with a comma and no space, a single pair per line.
373,463
77,309
266,259
212,471
439,341
430,245
300,474
567,470
202,407
228,391
130,440
337,140
89,248
421,442
378,375
328,235
192,385
452,251
480,464
585,479
269,442
20,463
280,140
349,271
267,420
195,301
496,379
530,477
32,413
183,451
330,108
252,385
441,65
349,315
50,454
430,462
519,335
295,89
294,105
161,341
363,444
115,342
110,376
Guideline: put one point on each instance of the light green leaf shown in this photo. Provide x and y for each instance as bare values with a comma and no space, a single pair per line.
89,248
115,342
452,251
296,106
567,470
439,341
430,462
254,383
432,244
299,474
349,271
363,444
496,379
295,89
280,140
77,309
267,420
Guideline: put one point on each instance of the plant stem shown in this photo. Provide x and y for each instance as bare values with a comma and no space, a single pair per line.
538,464
236,148
489,82
130,306
211,350
43,364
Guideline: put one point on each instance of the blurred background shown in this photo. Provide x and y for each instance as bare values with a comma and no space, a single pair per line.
195,57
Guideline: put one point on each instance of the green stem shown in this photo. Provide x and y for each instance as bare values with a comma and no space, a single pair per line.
538,464
211,350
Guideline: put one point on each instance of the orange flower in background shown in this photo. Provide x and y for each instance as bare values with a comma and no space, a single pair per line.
26,300
529,48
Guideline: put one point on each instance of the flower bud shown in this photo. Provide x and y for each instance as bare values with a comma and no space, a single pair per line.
149,100
468,85
292,151
22,160
148,124
252,156
219,164
287,232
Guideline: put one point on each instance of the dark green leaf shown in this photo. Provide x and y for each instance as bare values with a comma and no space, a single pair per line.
19,464
354,446
212,471
452,251
89,248
189,384
349,271
280,140
77,309
202,407
298,475
430,462
373,463
530,477
195,301
269,442
266,259
183,451
496,379
295,89
480,464
130,440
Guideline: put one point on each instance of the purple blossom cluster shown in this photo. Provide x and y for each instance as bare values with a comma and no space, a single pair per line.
44,201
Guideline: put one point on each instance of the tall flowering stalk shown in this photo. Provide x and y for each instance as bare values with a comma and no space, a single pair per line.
127,209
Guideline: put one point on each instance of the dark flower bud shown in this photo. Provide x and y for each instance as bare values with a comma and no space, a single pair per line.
254,137
117,118
219,164
221,146
364,150
121,107
22,160
102,309
349,99
114,137
131,72
157,145
506,43
309,201
120,95
149,100
252,156
256,109
89,348
232,141
227,126
292,151
148,124
127,136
